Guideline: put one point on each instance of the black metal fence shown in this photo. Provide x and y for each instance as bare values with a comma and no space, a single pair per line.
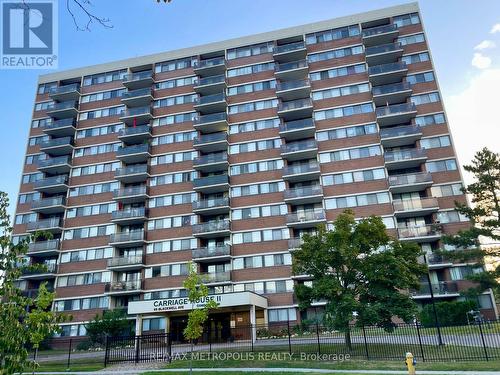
145,348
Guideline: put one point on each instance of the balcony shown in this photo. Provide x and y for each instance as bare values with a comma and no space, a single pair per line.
137,115
295,109
44,248
134,154
58,146
435,261
387,73
213,206
138,80
212,184
132,194
65,93
210,67
298,129
212,142
68,109
301,172
295,243
402,159
293,70
299,150
210,229
216,278
211,162
61,128
214,103
415,207
211,254
33,293
58,165
304,195
380,35
400,135
127,239
383,54
424,233
410,182
306,219
130,216
40,274
52,225
52,185
214,122
290,51
291,90
124,287
49,206
138,98
135,134
439,289
132,174
211,85
126,263
395,114
391,93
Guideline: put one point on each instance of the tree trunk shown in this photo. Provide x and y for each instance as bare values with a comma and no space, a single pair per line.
348,342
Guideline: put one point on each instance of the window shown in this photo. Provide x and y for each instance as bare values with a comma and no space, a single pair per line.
96,209
353,153
256,49
84,255
169,66
96,79
441,165
84,279
33,159
348,132
262,261
100,130
180,269
161,294
435,142
357,200
31,177
253,106
266,144
252,87
411,39
420,78
281,315
87,232
25,218
82,304
338,72
254,125
105,95
251,69
33,141
453,216
172,222
258,236
169,200
432,97
179,82
416,58
174,119
45,88
341,91
173,178
173,245
174,158
335,54
175,100
435,119
153,324
96,168
43,106
343,111
406,20
71,330
174,138
263,166
94,189
462,272
264,188
29,197
446,190
358,176
334,34
105,112
262,211
41,123
96,150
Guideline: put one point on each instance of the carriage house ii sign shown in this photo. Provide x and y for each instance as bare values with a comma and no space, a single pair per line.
181,304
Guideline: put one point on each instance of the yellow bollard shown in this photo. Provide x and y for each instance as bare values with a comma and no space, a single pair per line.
410,363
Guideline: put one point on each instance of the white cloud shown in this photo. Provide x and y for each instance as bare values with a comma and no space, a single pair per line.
495,28
485,44
480,61
473,116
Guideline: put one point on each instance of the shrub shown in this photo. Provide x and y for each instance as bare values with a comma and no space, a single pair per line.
449,313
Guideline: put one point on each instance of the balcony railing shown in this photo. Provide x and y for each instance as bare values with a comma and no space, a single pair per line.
130,150
125,261
131,191
440,288
387,68
291,85
54,222
214,251
131,130
384,48
211,180
210,138
49,268
210,203
290,47
379,30
297,125
216,277
137,235
391,88
211,80
294,104
70,104
436,259
35,247
209,62
119,286
138,111
210,159
213,117
53,161
131,169
400,131
395,109
290,66
410,179
210,99
137,76
301,168
305,191
51,181
416,153
128,214
305,216
212,226
419,231
61,123
64,141
295,243
64,89
299,146
49,202
136,93
415,204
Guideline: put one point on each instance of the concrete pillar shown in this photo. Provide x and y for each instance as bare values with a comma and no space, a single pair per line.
138,325
265,318
253,322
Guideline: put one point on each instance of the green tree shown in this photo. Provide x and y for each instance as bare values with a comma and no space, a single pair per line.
109,323
450,313
24,321
484,216
360,271
198,315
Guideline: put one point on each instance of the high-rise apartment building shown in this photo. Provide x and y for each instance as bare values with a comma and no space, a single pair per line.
225,154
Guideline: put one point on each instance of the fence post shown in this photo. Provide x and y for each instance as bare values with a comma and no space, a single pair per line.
169,343
366,343
69,354
289,338
209,333
137,349
482,339
106,351
420,341
317,337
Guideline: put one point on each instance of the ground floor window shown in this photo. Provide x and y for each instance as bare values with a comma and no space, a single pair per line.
153,324
281,315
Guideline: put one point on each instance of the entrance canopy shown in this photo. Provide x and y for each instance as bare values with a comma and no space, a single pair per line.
183,304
